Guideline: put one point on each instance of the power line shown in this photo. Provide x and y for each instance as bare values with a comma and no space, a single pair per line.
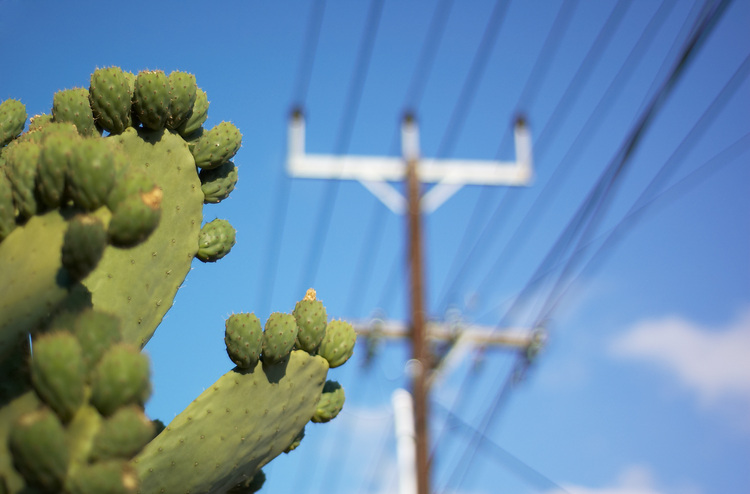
704,27
570,95
278,215
354,96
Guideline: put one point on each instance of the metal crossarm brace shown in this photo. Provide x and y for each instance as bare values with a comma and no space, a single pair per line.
374,172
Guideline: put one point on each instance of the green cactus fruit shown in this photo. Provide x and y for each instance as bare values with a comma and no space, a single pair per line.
244,339
83,245
131,181
215,240
151,98
38,122
218,183
72,105
110,96
96,332
250,486
278,337
122,435
196,116
21,161
57,152
216,146
311,320
296,441
330,404
58,373
121,378
7,209
40,453
12,120
183,92
91,173
106,477
135,218
338,344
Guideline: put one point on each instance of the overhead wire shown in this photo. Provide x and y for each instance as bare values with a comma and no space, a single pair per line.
283,184
669,167
351,107
570,95
704,27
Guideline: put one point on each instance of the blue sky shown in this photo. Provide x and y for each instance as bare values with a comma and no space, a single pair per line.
643,387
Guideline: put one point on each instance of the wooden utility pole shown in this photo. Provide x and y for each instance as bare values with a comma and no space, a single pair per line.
374,173
420,352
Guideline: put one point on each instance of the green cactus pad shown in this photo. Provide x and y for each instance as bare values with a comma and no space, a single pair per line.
91,173
58,373
196,116
218,183
278,337
311,318
110,477
7,208
338,344
83,246
12,120
135,218
216,146
225,436
57,152
138,284
243,337
72,105
21,161
121,378
151,98
331,402
122,435
39,450
183,91
216,240
110,95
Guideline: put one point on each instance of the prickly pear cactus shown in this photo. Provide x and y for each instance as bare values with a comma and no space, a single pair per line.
101,213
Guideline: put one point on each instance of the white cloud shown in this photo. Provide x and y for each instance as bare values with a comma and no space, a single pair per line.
714,362
635,479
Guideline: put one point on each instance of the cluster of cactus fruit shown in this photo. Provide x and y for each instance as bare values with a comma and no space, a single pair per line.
101,207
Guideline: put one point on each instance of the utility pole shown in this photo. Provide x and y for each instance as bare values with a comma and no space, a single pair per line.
450,175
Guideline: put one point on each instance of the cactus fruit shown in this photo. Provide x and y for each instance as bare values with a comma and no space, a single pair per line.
216,240
311,320
243,337
7,208
96,333
21,161
338,344
196,116
12,120
122,435
54,160
295,442
183,91
83,245
218,183
216,146
250,486
40,453
72,105
110,96
151,96
330,404
121,378
91,173
278,337
135,217
111,477
58,373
